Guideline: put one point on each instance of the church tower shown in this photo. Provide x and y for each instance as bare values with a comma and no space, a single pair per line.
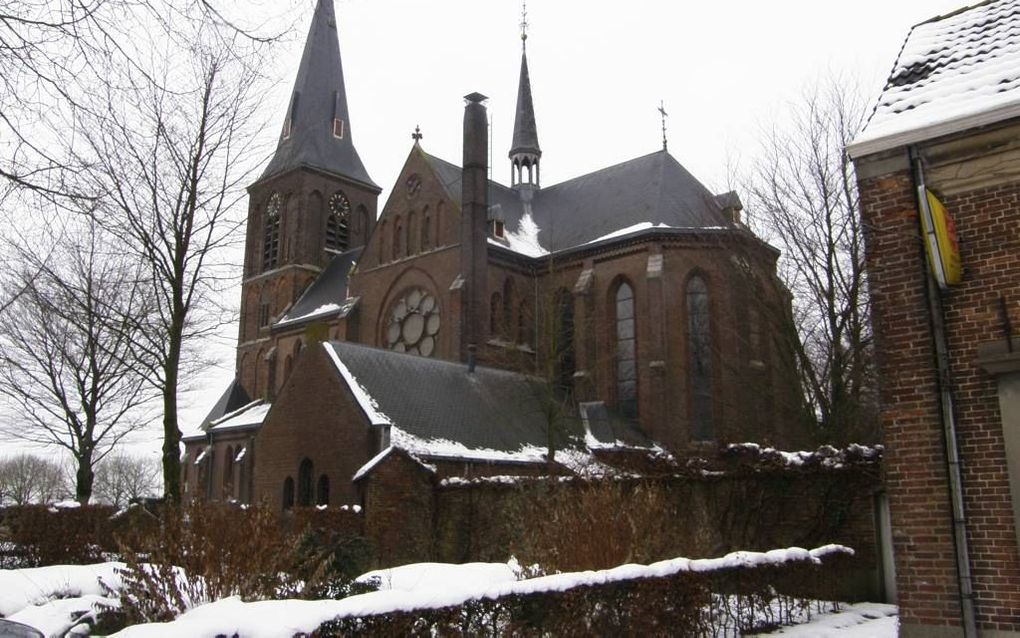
314,200
525,152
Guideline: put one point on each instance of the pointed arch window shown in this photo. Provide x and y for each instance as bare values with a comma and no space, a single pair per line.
563,344
426,229
304,486
322,491
288,493
338,223
361,226
438,223
525,323
398,233
271,233
228,472
507,321
412,230
626,350
699,359
495,314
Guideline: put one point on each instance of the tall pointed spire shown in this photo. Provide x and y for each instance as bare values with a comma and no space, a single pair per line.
525,151
317,130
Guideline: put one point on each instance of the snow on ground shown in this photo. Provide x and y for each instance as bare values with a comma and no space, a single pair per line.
420,585
61,617
20,588
56,599
861,620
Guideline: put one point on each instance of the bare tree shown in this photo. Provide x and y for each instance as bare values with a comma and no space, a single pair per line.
803,198
170,158
121,478
68,366
51,51
26,478
44,45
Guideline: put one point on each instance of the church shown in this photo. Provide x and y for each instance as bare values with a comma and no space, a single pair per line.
473,328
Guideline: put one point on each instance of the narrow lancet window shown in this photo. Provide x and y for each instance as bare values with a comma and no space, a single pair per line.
626,352
699,360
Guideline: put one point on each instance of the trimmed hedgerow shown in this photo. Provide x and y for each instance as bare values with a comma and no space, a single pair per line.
729,600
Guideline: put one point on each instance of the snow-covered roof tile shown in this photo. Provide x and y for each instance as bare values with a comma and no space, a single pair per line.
365,401
250,415
953,73
327,296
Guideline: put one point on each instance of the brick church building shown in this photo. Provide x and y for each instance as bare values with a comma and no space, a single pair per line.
471,325
938,166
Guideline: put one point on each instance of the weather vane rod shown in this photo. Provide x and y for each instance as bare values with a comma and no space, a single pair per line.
524,23
664,114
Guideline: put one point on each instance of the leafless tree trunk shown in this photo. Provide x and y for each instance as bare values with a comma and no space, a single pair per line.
67,364
803,198
26,478
170,155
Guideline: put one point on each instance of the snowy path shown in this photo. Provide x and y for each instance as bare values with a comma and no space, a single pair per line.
862,620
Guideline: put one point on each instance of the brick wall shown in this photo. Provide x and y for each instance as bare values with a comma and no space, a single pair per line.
412,517
988,225
320,422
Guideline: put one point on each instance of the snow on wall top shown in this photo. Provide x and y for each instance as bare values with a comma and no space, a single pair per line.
954,72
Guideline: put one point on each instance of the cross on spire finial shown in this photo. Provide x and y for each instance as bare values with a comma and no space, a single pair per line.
417,135
524,22
664,114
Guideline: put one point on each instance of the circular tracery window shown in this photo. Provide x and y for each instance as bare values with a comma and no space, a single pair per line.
413,323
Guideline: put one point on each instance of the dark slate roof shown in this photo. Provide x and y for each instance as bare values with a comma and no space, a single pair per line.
653,188
440,400
319,95
525,138
233,397
954,72
501,198
328,290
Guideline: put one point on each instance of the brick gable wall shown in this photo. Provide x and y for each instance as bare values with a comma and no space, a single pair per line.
988,223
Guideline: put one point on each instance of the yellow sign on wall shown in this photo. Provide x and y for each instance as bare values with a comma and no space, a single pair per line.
940,241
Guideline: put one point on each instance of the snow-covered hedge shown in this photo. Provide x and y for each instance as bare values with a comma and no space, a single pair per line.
738,592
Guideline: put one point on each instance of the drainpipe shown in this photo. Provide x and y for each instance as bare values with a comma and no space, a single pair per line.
948,413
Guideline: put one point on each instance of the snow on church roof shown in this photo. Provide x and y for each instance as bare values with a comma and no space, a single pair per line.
250,415
438,410
954,72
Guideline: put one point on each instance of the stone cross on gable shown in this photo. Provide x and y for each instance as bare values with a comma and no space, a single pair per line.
417,135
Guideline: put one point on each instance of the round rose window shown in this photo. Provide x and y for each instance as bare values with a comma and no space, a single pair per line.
413,323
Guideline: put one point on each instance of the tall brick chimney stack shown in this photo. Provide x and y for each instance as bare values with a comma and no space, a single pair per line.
473,222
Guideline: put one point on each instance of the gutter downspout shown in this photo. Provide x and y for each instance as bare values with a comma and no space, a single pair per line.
965,580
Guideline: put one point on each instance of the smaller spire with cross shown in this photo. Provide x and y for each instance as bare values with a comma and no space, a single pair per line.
524,23
417,135
664,115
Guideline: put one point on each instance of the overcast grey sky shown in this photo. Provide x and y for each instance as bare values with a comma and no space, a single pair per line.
598,69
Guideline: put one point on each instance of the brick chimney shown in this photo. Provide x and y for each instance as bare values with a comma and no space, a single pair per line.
473,222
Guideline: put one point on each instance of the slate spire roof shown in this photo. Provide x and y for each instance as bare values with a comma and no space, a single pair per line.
317,130
955,72
525,138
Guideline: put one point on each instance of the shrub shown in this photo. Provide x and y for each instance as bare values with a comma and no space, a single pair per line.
722,600
42,535
205,552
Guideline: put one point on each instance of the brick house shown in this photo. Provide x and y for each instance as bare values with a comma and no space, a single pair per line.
633,293
941,147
